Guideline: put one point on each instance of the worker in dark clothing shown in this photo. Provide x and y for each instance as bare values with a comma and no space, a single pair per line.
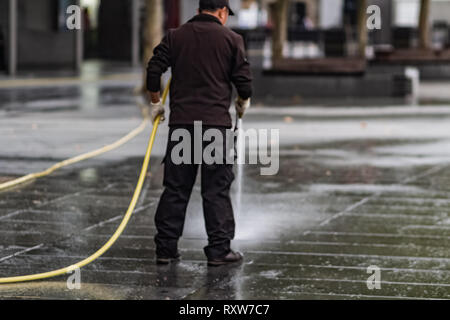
206,59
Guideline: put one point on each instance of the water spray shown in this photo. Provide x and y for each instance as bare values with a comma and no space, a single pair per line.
240,157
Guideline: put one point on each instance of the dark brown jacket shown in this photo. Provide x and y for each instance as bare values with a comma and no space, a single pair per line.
206,59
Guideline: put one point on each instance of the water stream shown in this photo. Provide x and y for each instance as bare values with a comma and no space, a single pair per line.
240,148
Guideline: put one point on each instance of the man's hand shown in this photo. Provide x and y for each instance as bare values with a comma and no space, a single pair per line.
157,110
241,106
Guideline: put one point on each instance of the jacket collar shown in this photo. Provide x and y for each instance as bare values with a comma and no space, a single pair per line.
205,18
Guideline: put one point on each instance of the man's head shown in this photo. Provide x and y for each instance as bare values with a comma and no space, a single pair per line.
218,8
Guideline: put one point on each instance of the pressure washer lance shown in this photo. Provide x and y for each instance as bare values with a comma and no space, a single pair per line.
237,127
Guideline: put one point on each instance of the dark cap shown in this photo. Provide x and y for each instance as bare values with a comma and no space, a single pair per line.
214,5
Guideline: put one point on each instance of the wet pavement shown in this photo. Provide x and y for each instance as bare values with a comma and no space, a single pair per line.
357,187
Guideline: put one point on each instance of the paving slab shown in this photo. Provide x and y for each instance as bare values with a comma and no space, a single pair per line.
357,187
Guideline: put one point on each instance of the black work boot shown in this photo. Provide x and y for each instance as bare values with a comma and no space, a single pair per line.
230,258
168,260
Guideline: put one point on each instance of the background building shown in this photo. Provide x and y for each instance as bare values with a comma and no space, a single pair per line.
33,34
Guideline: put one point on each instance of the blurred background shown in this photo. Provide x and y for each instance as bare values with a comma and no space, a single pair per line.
302,50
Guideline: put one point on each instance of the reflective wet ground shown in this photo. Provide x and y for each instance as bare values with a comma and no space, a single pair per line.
357,187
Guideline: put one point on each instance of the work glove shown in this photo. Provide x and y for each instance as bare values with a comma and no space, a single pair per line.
241,106
157,110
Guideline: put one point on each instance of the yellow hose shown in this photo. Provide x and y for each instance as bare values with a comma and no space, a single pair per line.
119,230
85,156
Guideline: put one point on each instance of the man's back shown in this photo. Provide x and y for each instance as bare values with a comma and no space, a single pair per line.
206,58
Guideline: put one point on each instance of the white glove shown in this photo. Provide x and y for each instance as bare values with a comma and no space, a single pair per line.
242,106
157,110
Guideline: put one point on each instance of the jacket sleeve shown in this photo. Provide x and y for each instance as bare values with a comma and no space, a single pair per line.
158,64
241,75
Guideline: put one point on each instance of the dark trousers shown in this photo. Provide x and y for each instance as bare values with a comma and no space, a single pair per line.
179,180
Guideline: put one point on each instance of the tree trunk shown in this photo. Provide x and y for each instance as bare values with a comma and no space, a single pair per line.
362,28
153,32
279,33
424,27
